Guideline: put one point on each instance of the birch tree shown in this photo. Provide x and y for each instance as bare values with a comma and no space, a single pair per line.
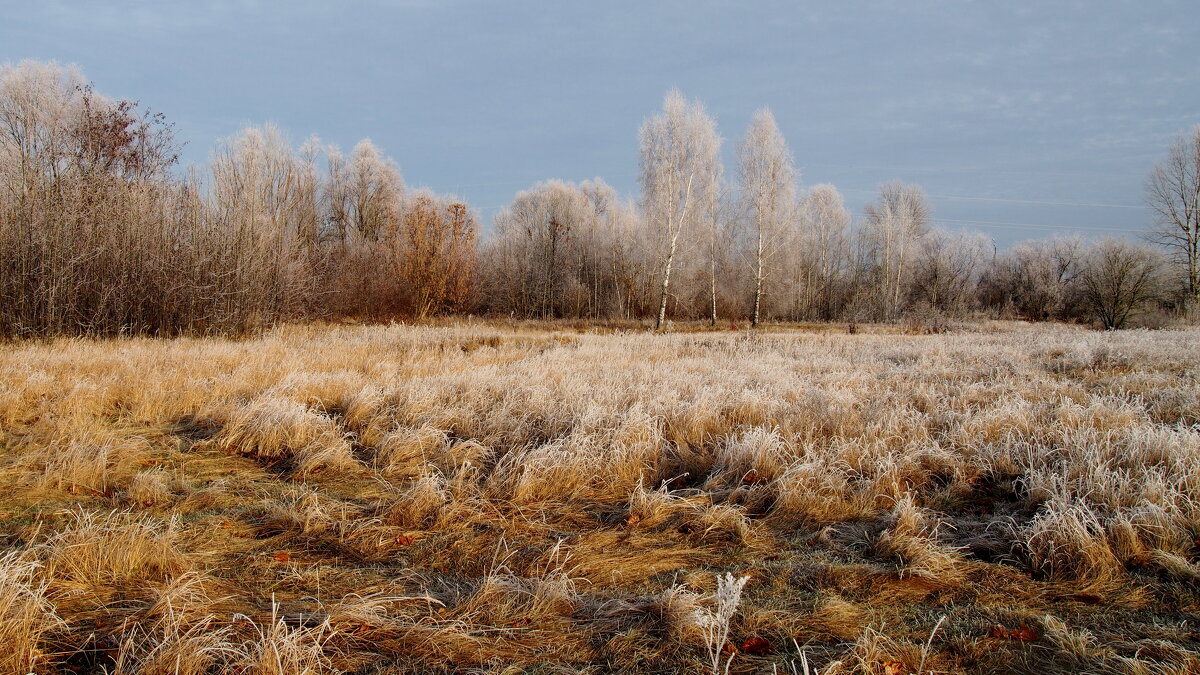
768,180
895,222
680,168
821,255
1173,191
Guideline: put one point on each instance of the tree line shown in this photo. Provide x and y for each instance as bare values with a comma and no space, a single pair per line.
102,233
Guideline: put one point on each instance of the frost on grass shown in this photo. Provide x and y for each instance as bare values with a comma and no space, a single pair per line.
472,497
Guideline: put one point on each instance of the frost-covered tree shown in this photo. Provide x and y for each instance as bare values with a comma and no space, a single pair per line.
1036,280
894,224
680,168
819,252
768,180
561,250
946,270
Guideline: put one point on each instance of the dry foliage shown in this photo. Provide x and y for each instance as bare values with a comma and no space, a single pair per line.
478,496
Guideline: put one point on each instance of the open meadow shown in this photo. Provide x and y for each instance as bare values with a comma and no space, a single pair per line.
553,499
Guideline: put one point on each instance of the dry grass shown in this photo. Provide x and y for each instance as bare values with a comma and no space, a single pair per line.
389,499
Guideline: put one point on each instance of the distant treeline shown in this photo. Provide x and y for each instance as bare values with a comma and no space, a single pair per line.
102,234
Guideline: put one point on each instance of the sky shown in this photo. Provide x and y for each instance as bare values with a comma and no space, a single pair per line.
1020,119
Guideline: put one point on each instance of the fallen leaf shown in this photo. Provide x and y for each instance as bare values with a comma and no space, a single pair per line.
1026,633
1089,598
729,649
405,540
632,520
751,477
226,524
894,668
282,556
758,646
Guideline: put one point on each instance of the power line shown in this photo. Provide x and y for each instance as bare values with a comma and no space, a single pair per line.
1018,201
1034,226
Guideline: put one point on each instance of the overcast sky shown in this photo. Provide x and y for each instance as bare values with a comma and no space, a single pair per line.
1044,116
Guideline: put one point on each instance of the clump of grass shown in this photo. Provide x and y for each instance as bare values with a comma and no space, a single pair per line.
1067,541
107,550
26,614
911,540
275,648
273,428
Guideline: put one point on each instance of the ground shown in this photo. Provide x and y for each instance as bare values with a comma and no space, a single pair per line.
539,498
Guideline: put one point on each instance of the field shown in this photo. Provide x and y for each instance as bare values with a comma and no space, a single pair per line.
520,498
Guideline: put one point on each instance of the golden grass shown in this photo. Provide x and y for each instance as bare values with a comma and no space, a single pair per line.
529,497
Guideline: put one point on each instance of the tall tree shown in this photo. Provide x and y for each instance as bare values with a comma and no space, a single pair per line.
820,252
768,189
895,222
435,253
1173,191
680,167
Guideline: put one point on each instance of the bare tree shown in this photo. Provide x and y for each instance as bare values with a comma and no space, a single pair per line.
768,180
716,212
434,252
819,252
679,166
1173,191
946,270
894,223
1119,280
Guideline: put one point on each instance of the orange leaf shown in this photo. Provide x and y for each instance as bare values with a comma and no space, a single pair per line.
1025,633
632,520
758,646
894,668
282,556
729,649
405,540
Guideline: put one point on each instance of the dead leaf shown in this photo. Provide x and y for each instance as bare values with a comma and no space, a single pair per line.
405,540
632,520
1026,633
751,477
758,646
1089,598
894,668
282,556
729,649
